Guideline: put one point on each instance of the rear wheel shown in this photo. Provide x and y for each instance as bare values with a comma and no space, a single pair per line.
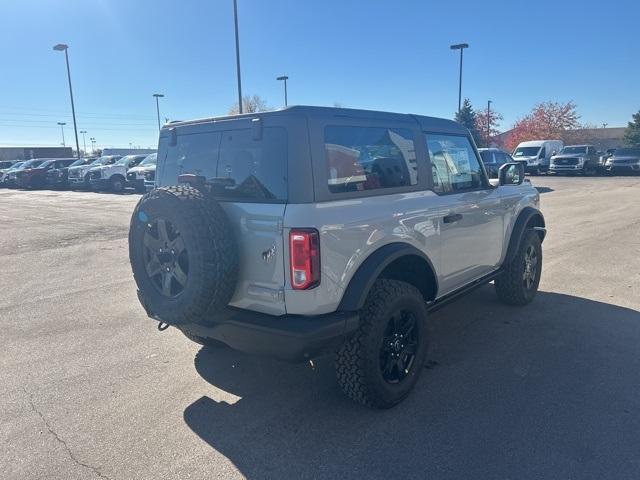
518,283
380,364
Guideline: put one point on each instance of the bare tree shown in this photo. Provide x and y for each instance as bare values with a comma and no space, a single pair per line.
250,104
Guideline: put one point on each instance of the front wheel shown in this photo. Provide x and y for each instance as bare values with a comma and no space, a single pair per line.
519,280
117,184
380,364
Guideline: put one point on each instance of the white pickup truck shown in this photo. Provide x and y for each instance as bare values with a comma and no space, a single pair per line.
136,175
114,176
78,176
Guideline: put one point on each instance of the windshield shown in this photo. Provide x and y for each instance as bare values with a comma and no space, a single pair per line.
80,161
17,166
628,152
126,159
47,163
31,163
104,161
5,164
150,160
526,152
573,150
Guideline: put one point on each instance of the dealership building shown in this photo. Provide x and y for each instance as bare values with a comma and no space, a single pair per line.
26,153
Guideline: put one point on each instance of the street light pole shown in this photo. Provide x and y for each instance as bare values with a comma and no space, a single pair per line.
158,95
62,47
235,19
461,47
84,141
62,124
488,121
93,144
284,78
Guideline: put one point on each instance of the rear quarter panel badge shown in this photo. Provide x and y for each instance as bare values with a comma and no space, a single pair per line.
269,254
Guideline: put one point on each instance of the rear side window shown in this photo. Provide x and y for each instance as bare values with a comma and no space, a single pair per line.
454,165
369,158
488,156
237,166
252,169
196,153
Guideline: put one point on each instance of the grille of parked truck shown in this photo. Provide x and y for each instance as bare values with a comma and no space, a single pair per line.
582,159
311,231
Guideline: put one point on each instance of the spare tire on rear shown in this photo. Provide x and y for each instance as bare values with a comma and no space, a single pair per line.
183,255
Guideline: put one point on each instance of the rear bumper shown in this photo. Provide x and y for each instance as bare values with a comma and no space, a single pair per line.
292,338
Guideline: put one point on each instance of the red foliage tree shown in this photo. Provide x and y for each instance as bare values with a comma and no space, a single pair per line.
547,120
481,126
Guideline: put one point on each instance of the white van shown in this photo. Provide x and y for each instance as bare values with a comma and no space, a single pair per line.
536,155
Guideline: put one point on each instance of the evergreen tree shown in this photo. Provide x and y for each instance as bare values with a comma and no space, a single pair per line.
632,133
467,117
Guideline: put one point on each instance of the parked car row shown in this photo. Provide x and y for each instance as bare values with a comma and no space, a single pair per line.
111,173
552,157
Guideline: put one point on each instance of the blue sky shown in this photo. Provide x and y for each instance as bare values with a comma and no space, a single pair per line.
364,54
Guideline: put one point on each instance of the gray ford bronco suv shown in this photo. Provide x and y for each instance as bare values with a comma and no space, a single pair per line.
313,230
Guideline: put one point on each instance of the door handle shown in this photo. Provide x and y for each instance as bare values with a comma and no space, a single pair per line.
455,217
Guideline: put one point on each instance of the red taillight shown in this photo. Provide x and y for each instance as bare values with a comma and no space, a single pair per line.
304,252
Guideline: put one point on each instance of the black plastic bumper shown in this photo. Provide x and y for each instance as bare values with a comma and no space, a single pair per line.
293,338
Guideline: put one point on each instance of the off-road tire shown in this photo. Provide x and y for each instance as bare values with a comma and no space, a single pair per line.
211,251
357,360
509,285
204,341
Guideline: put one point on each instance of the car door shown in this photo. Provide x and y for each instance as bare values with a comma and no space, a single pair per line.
471,226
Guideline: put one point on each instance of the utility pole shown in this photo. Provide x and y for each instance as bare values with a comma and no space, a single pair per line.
158,95
84,141
62,124
235,19
461,47
284,78
61,47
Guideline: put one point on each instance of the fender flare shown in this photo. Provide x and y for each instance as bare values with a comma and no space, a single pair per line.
356,292
520,227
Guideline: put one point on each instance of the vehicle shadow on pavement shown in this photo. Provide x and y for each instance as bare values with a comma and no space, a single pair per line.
547,391
544,189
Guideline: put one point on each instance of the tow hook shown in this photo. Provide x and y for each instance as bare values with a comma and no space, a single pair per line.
162,326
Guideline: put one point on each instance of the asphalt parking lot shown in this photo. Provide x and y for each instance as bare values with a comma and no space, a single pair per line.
91,389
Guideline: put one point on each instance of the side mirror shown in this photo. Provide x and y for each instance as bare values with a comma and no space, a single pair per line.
511,174
554,153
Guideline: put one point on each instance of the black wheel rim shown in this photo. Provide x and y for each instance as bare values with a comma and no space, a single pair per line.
166,259
530,267
399,347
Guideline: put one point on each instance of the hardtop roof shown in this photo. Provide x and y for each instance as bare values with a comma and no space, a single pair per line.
425,122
